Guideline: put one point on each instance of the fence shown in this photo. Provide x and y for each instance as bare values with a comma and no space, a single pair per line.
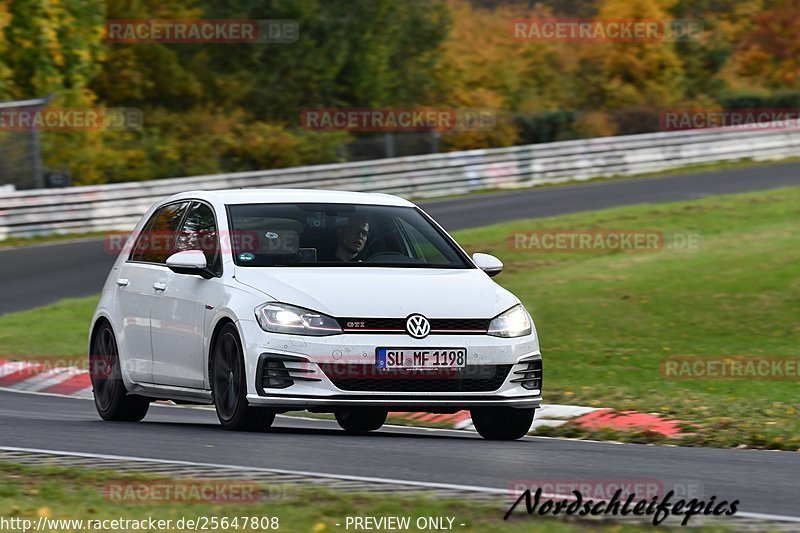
20,151
118,206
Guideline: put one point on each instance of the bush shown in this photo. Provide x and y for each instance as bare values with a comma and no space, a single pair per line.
752,100
637,119
186,144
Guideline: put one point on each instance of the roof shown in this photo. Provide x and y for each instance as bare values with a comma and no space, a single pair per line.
256,196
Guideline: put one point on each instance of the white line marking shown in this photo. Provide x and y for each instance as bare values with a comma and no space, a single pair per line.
259,469
776,517
15,366
43,380
67,396
87,393
557,411
389,481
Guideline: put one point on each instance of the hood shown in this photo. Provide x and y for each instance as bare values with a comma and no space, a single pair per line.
365,292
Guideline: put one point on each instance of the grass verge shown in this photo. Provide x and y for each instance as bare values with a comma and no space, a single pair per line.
608,319
58,332
58,493
14,242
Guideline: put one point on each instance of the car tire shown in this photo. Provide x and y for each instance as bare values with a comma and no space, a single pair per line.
111,398
229,386
502,423
361,420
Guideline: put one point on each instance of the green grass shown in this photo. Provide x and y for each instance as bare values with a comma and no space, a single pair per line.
606,320
13,242
57,332
70,493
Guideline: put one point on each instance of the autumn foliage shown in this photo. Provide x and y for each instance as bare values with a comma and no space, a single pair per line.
212,108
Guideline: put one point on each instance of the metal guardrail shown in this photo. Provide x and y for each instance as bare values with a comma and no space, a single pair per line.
119,206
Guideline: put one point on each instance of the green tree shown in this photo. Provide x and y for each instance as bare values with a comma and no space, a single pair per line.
6,89
149,74
620,74
53,47
350,53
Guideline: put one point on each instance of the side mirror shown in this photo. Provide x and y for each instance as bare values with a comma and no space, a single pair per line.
191,262
488,263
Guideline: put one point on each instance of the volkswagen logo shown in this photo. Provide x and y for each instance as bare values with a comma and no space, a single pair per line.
418,326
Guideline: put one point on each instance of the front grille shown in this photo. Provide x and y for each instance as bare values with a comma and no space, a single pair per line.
460,323
390,325
368,378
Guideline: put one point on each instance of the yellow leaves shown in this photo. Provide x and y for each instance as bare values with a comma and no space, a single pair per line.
319,527
768,54
44,512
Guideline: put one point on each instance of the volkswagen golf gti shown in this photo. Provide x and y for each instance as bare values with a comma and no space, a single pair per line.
267,301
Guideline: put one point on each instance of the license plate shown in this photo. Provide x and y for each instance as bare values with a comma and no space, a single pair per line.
422,358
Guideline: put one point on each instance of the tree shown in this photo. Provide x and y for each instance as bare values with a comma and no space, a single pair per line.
362,53
6,89
769,55
149,74
53,47
620,74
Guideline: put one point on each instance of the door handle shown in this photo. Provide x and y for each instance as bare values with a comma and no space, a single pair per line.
159,286
122,282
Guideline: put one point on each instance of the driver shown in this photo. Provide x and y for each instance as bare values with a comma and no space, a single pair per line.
350,239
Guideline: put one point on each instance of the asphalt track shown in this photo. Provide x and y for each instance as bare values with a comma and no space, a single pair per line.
763,481
37,275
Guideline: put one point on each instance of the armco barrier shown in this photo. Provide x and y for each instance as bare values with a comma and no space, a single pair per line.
118,206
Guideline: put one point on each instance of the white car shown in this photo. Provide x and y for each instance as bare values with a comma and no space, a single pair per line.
267,301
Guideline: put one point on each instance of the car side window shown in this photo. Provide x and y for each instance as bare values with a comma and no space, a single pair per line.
141,239
199,232
158,242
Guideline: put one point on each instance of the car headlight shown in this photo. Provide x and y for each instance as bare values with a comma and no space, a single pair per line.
512,323
282,318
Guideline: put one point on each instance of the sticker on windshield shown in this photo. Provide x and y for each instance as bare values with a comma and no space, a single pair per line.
246,257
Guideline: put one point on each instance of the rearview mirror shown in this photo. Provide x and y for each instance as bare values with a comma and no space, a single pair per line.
191,262
488,263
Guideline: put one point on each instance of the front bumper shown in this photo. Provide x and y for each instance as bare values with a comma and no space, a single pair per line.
306,380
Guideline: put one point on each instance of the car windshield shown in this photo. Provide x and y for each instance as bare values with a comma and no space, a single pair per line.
286,235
